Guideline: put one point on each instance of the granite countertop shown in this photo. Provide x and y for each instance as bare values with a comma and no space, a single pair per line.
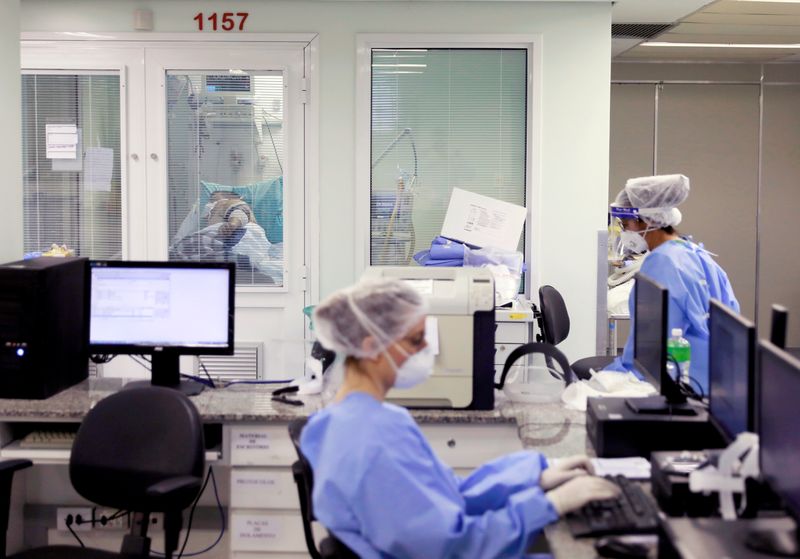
250,402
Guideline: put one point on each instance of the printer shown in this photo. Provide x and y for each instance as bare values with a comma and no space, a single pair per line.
461,301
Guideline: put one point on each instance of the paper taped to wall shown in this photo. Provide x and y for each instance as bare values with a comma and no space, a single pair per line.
97,168
482,221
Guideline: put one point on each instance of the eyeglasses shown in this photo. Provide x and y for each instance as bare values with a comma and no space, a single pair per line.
417,340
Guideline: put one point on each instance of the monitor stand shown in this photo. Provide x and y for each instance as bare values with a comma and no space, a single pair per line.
165,371
659,405
781,543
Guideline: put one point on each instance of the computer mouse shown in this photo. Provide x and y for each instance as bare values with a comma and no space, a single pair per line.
615,547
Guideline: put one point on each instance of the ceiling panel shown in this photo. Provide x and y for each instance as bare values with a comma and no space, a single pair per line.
729,22
729,38
654,11
736,7
705,54
742,30
745,19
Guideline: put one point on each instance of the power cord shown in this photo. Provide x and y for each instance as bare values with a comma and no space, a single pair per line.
69,520
206,372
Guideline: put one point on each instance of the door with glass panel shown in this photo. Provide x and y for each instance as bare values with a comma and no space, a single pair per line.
225,160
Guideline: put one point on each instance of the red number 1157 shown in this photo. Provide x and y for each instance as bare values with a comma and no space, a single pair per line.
225,23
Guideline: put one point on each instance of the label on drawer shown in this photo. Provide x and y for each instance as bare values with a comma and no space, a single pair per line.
260,446
250,440
253,532
263,489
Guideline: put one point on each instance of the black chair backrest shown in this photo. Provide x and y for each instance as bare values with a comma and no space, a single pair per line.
778,326
304,478
132,440
554,314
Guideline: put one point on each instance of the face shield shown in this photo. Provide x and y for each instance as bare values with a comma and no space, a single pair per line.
618,247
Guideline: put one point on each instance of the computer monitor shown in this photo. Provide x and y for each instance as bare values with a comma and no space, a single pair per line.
731,366
779,440
779,321
651,307
165,309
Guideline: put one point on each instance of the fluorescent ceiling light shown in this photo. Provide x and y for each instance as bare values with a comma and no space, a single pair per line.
774,1
724,45
399,65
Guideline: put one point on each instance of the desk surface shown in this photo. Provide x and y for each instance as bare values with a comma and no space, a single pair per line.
247,402
548,428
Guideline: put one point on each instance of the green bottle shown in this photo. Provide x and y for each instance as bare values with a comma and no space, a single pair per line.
679,349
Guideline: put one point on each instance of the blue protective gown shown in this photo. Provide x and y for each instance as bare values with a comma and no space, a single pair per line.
379,487
693,278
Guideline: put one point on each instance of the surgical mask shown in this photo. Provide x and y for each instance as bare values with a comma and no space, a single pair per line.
207,209
634,241
415,370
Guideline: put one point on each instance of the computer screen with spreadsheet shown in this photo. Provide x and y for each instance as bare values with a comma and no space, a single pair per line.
164,309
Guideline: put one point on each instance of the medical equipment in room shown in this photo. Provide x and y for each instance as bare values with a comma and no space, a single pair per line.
392,226
460,331
165,309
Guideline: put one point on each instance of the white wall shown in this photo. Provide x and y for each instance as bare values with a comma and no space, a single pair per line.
575,111
10,139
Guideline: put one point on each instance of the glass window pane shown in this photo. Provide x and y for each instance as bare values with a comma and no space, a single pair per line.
225,170
442,118
71,164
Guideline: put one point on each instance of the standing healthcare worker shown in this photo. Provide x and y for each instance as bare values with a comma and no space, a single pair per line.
647,212
378,485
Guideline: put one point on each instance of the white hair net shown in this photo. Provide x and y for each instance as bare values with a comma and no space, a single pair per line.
383,310
656,197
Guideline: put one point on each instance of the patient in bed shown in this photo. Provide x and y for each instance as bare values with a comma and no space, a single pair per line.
232,230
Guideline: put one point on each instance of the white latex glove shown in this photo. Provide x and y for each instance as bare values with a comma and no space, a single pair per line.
565,469
580,491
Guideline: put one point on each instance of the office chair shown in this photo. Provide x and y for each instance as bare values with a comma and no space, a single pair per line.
139,450
330,547
554,327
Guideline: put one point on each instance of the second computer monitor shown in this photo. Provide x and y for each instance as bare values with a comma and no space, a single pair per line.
779,436
651,305
731,364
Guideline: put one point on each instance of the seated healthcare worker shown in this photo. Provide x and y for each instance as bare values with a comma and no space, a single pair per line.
379,487
647,210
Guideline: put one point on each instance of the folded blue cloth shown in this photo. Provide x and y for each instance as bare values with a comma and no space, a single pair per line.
423,258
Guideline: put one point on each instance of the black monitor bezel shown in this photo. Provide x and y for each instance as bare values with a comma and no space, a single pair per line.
665,385
766,346
137,349
718,309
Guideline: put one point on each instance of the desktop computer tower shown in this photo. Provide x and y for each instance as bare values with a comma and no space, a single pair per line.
43,326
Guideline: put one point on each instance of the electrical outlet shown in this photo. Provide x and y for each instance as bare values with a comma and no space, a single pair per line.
157,520
119,523
74,514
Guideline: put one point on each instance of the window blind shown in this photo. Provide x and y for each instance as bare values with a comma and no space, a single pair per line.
441,118
225,148
72,186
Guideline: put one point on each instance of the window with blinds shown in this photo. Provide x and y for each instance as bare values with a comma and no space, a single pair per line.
441,119
72,183
225,148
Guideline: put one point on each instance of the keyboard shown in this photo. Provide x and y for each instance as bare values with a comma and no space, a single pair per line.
48,439
633,512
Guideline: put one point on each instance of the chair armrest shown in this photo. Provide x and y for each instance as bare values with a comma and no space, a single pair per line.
7,469
11,466
172,493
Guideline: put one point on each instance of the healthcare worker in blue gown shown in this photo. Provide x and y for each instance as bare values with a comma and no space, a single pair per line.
647,211
378,485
